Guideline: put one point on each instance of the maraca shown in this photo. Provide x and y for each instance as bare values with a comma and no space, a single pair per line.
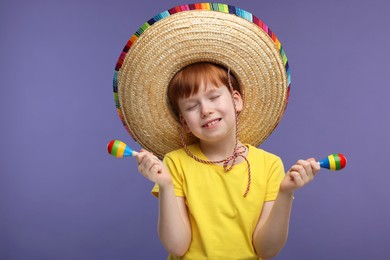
119,149
333,162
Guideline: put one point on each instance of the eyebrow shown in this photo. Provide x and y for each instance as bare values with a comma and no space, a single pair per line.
210,90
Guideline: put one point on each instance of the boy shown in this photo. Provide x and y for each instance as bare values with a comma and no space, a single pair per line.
202,86
202,212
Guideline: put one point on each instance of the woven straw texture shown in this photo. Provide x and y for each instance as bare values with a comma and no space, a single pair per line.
188,37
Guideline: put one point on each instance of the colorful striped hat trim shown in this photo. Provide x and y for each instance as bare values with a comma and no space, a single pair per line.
135,82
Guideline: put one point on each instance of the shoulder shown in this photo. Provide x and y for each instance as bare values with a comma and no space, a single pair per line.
180,156
260,153
179,153
261,159
271,167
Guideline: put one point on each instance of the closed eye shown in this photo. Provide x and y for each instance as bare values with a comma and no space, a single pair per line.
190,108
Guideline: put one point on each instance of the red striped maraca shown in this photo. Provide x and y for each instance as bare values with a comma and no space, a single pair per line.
334,162
119,149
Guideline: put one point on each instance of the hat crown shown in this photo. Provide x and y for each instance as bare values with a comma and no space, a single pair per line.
187,34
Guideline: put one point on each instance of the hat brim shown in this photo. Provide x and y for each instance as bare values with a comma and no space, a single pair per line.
188,34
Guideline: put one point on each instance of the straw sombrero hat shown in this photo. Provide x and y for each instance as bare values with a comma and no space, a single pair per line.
206,32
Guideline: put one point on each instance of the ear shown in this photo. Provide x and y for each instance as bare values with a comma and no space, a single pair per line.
238,101
184,123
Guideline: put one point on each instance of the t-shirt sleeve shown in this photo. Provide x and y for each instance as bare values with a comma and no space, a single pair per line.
177,177
275,177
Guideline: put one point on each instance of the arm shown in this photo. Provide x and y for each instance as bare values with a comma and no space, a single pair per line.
173,225
271,231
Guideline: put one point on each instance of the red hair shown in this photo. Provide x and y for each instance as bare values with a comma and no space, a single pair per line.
187,81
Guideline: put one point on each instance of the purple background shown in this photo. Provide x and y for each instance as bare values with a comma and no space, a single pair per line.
63,197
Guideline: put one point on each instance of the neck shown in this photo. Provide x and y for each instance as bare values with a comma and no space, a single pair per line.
219,150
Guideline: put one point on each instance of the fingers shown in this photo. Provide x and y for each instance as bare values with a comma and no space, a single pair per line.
314,165
304,171
148,164
297,174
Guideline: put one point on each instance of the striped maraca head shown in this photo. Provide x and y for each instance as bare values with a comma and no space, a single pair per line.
334,162
119,149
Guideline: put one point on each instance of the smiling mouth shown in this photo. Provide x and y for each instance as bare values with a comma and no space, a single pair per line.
211,123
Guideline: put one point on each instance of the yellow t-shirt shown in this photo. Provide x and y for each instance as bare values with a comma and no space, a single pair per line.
222,219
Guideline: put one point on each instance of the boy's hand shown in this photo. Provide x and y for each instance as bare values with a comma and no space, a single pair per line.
299,175
153,168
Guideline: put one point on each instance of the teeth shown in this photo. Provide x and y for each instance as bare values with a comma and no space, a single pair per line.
212,123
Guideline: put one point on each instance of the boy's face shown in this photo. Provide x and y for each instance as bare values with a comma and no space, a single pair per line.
209,114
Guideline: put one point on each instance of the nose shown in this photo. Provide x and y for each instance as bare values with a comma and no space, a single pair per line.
206,110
